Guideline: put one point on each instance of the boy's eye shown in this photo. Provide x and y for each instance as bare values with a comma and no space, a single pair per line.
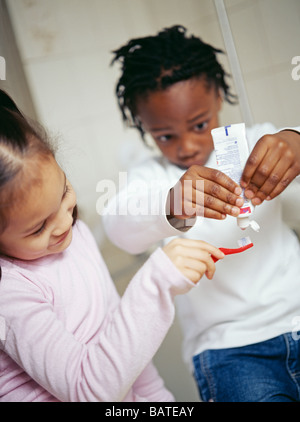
163,138
201,126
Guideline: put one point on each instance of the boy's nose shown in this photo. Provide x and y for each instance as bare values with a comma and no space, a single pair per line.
187,148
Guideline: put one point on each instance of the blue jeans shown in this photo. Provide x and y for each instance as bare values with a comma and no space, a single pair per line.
263,372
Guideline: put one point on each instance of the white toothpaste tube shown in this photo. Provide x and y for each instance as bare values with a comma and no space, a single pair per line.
232,152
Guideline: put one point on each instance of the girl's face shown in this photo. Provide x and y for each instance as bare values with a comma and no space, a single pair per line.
180,120
41,223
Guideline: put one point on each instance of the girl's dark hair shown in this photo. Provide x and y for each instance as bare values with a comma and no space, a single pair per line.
156,62
19,140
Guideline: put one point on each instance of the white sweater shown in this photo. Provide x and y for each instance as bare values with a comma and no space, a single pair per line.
253,296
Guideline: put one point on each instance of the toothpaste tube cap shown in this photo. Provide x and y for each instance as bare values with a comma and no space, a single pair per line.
245,222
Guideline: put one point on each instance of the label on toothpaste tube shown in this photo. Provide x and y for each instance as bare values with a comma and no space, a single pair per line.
231,149
245,210
232,152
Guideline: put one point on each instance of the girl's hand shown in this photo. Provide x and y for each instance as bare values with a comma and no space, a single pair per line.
193,257
271,166
203,191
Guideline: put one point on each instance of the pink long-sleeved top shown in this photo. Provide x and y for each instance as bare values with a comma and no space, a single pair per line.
66,335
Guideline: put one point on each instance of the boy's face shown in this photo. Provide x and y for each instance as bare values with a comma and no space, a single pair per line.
180,120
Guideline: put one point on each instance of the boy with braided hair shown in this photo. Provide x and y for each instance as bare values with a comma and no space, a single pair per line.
237,328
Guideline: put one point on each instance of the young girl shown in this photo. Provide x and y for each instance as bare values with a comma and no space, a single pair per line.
238,330
65,333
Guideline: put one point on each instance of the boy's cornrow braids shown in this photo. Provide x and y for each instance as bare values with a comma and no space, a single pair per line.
156,62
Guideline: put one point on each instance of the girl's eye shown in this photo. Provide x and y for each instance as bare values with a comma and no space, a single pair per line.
201,126
40,230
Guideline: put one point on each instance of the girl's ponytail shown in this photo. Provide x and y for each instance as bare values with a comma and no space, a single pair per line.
7,103
19,140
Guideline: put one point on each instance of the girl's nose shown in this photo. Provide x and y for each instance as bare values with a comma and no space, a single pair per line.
63,223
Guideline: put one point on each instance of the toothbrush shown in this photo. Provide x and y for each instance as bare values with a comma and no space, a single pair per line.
244,244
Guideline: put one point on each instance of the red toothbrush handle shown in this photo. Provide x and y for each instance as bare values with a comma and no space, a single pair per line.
228,251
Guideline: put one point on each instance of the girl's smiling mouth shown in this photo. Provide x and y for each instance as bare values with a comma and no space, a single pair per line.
62,238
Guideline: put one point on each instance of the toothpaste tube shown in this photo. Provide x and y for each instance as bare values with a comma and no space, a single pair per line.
232,152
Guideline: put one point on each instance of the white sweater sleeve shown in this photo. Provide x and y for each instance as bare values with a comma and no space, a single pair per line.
135,219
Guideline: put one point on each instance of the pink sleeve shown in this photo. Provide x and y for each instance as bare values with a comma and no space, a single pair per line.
149,384
106,371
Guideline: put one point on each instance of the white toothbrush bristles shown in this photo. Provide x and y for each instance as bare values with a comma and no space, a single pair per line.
244,241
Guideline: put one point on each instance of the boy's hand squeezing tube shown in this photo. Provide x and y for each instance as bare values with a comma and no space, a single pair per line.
271,166
193,258
207,192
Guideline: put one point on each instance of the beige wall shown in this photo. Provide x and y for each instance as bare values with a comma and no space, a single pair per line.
65,50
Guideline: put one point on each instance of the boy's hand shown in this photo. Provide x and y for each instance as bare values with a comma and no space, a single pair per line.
193,258
203,191
272,165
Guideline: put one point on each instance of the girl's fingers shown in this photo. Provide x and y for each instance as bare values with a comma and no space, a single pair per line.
197,266
193,257
196,247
